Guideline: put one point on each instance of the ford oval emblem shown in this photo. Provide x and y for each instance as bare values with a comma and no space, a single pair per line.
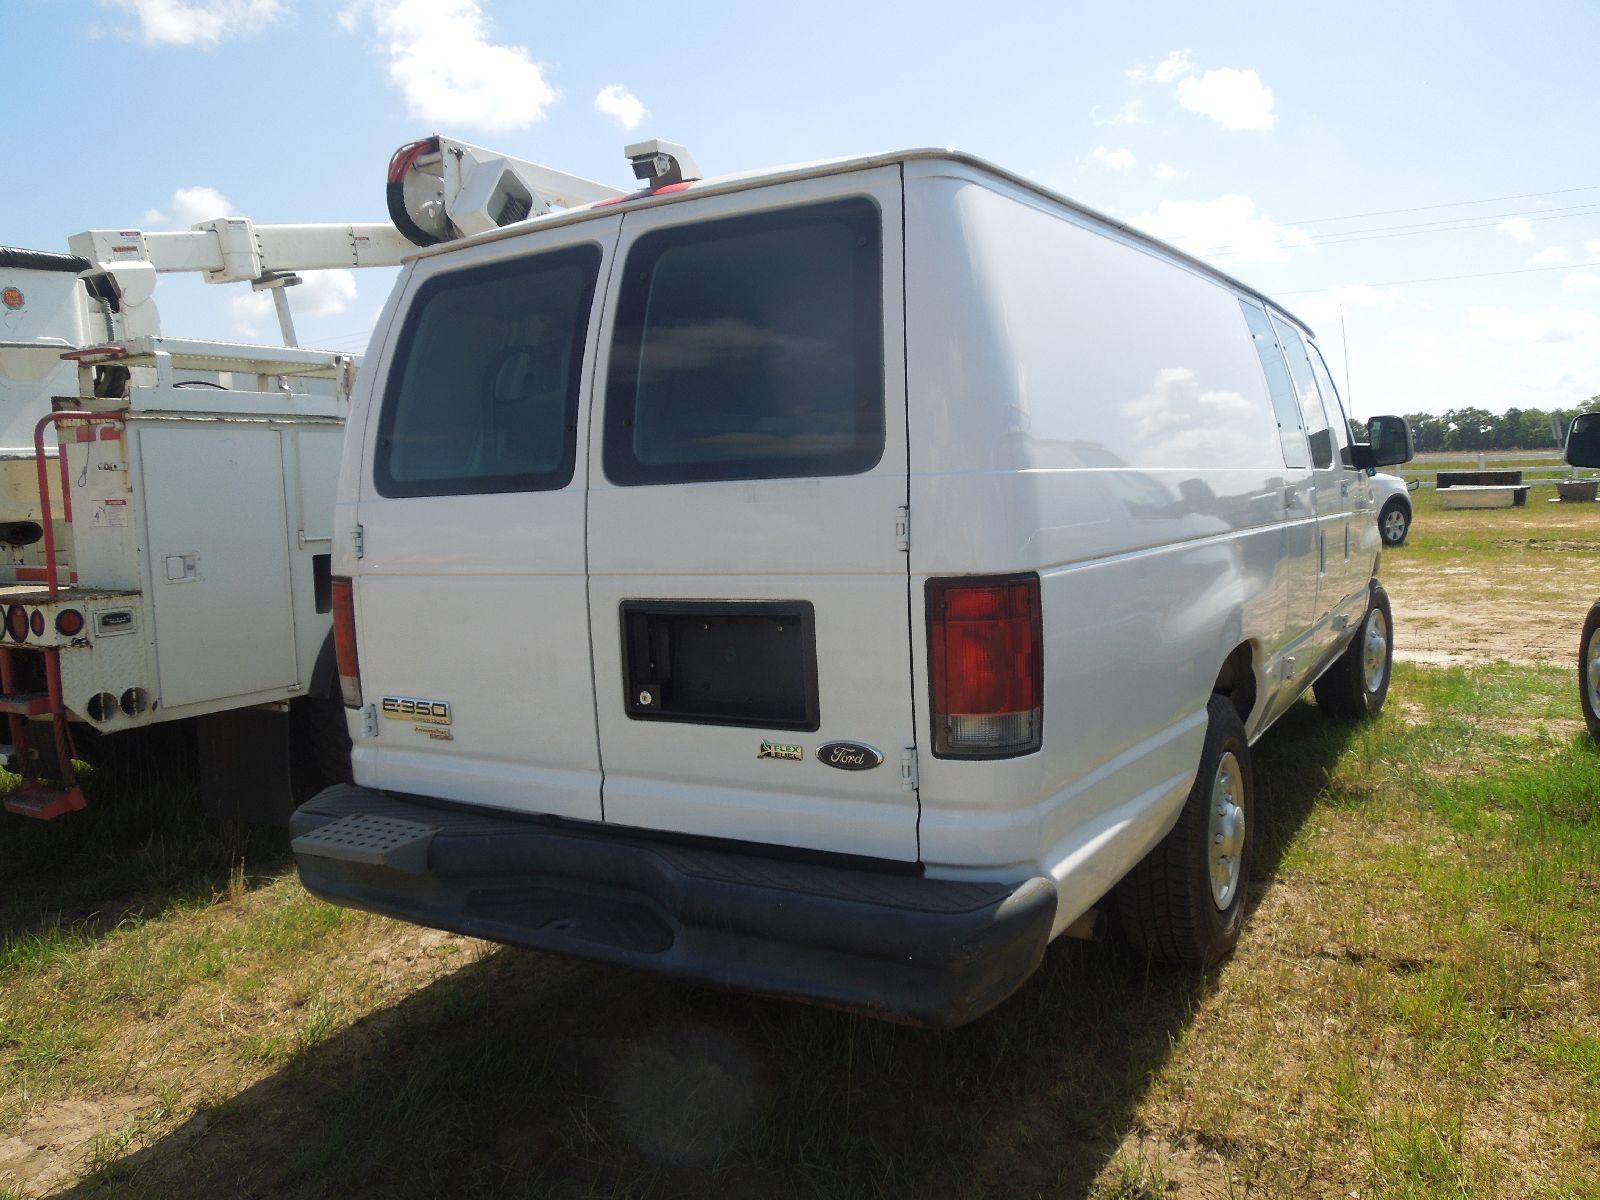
849,756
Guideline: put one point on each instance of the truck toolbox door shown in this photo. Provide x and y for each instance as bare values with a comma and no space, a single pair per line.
747,582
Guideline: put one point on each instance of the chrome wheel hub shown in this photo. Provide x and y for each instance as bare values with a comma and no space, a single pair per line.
1225,831
1394,525
1374,650
1591,671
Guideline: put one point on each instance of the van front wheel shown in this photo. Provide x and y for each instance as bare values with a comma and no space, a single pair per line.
1589,672
1184,903
1358,682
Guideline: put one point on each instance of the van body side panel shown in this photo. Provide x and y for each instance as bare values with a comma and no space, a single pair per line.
1086,409
475,596
824,543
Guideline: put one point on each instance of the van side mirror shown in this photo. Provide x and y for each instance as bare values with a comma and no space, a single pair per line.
1583,440
1389,443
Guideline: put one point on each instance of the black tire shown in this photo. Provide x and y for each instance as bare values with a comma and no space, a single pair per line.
1589,680
1166,907
1345,690
1394,522
319,746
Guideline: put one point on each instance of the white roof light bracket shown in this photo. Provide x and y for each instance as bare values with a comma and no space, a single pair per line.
659,163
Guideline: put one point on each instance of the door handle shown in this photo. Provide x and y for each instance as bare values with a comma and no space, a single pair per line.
1344,487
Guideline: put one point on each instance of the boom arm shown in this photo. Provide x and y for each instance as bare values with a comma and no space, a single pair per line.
439,190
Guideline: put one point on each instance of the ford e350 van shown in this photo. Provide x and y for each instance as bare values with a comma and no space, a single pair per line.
833,583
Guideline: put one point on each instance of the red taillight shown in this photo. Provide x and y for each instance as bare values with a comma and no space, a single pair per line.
69,622
344,642
986,661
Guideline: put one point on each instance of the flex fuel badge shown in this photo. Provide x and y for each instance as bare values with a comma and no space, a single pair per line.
781,750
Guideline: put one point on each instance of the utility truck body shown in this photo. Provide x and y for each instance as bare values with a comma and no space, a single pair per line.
166,503
833,582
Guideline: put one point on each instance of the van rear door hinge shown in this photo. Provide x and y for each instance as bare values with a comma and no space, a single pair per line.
358,541
902,527
908,769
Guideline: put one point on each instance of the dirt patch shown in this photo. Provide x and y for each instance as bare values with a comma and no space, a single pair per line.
1467,615
50,1147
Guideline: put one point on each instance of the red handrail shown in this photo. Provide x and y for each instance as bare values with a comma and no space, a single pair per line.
40,464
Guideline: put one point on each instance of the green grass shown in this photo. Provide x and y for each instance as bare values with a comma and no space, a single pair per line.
1412,1013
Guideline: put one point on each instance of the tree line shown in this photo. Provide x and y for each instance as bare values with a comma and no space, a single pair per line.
1479,429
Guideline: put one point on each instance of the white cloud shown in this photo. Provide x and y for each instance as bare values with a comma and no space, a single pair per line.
1592,246
1556,351
203,23
1117,160
321,294
1233,98
1581,281
1174,66
193,204
621,105
1518,228
1428,352
1228,225
441,59
1131,113
1324,307
1551,256
1164,172
153,216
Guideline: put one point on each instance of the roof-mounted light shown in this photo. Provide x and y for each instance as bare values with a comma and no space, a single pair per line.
659,163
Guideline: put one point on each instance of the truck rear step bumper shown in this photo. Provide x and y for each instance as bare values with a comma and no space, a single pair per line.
896,945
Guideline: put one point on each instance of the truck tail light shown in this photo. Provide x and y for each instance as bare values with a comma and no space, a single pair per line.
986,661
344,642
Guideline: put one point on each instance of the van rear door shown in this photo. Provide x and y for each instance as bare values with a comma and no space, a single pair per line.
470,600
747,577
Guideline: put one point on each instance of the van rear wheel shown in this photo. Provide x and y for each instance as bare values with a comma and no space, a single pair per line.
1589,671
1184,903
1358,682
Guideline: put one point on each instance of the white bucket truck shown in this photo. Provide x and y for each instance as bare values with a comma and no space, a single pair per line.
166,504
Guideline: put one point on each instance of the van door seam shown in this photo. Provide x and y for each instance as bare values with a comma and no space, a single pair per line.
604,294
905,397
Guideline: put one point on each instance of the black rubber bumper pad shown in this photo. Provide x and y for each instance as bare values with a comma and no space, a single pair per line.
870,939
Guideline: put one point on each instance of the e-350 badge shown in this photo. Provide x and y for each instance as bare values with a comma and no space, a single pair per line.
410,708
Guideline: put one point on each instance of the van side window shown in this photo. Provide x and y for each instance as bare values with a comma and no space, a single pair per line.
1330,397
483,393
1291,434
749,348
1305,385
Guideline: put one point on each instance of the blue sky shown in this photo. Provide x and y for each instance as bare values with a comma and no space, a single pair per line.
1234,130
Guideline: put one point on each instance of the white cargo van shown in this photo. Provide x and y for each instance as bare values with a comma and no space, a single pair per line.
834,582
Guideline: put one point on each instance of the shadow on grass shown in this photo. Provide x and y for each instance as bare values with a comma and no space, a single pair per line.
523,1074
140,846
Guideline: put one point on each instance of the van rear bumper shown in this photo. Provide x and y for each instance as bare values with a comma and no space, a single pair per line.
925,951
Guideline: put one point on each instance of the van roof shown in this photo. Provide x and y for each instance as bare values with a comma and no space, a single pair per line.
743,180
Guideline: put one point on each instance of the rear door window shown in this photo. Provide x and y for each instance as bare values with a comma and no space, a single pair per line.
1291,431
748,348
483,393
1318,427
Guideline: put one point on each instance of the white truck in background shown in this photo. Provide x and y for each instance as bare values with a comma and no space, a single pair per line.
166,503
